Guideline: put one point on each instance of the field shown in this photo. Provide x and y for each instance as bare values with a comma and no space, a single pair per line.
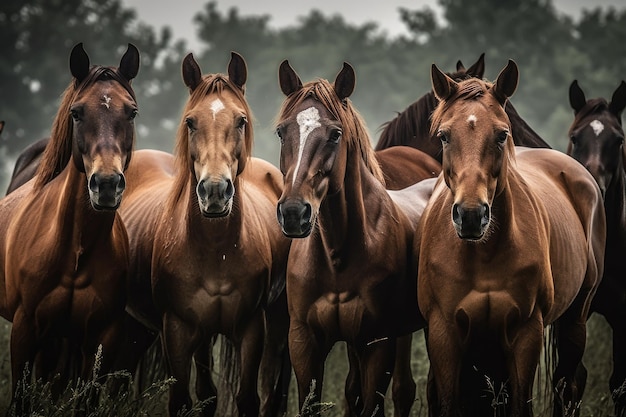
596,401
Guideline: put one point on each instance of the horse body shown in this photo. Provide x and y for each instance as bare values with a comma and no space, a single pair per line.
351,252
523,250
596,141
64,248
207,260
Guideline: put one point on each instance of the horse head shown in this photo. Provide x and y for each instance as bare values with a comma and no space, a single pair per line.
313,145
215,137
475,133
596,134
102,124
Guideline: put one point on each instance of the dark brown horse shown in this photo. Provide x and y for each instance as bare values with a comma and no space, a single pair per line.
512,240
26,164
352,239
597,142
206,247
411,127
64,250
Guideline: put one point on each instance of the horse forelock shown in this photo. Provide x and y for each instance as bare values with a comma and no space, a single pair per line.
210,84
355,132
59,150
469,89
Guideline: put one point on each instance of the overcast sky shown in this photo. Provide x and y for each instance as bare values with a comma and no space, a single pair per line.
287,13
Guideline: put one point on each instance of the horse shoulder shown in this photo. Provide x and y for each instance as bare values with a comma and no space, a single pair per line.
265,176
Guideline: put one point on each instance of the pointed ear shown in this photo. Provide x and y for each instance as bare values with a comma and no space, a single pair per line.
345,81
237,70
288,79
506,83
129,64
459,66
576,97
1,125
477,70
618,101
192,75
443,86
79,63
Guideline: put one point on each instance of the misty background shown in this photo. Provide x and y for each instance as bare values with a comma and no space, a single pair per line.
551,48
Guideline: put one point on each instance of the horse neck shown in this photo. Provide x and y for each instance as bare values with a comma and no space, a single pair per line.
76,217
615,199
342,215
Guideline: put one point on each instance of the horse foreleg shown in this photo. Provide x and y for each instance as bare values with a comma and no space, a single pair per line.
179,342
403,385
250,348
377,362
275,371
205,387
617,381
307,358
354,394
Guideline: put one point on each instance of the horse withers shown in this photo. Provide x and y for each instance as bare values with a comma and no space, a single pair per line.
597,141
512,240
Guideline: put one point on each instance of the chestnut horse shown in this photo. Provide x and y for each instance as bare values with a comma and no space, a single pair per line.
208,257
351,252
64,250
597,142
411,127
512,240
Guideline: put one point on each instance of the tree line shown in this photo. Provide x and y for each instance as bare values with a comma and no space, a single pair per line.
551,49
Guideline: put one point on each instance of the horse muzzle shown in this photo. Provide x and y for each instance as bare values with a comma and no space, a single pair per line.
471,223
215,198
105,191
295,218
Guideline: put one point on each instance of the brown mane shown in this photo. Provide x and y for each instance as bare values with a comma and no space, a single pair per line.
59,149
354,130
210,84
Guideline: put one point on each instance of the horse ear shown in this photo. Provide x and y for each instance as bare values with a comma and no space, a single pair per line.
288,79
345,81
192,75
129,64
443,86
237,70
576,97
1,125
618,101
477,70
506,83
459,66
79,62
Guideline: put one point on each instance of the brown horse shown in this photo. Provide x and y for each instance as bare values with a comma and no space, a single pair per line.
512,240
411,127
26,164
64,250
597,142
352,240
206,248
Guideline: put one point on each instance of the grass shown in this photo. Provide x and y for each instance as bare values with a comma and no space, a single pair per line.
152,401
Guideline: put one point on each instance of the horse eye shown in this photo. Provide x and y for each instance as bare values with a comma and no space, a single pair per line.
279,135
189,123
335,135
242,122
443,137
502,136
133,114
75,115
573,139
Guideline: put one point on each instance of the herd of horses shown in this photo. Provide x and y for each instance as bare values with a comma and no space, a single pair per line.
461,222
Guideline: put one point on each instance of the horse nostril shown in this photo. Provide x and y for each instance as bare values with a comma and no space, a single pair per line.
121,183
457,214
94,183
201,190
230,190
279,213
485,215
305,215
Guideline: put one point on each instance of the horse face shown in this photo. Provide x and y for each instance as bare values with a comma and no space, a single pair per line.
596,135
216,129
103,130
103,127
475,135
311,143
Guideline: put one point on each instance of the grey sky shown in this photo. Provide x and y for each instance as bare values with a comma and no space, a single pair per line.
287,13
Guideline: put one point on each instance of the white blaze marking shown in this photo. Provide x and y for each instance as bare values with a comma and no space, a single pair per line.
597,127
472,119
308,120
217,106
106,100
